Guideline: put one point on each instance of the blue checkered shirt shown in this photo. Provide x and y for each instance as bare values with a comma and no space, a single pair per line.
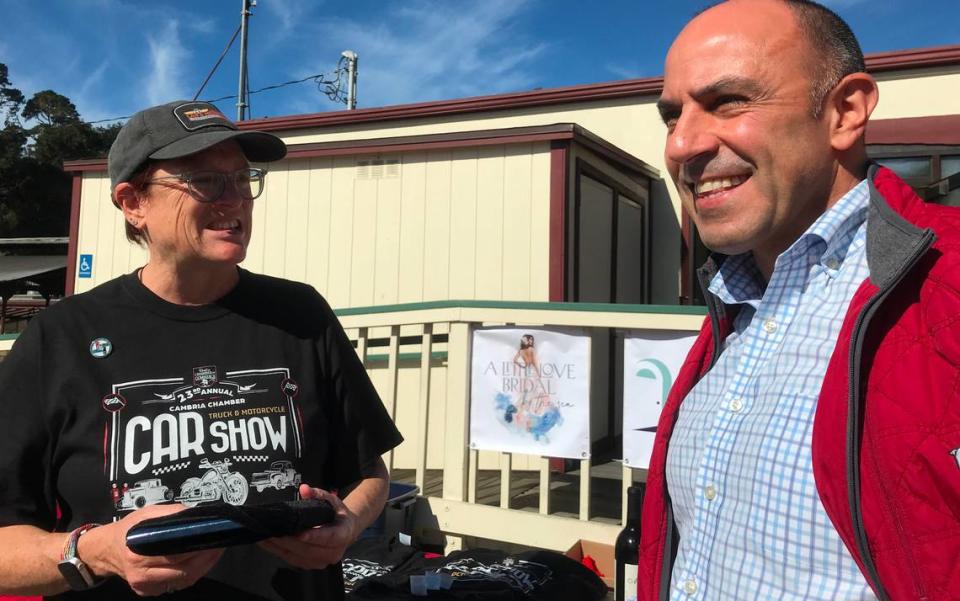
739,467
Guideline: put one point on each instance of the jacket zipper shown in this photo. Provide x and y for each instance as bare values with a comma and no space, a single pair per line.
854,434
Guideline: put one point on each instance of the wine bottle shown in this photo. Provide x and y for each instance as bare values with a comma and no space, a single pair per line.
627,549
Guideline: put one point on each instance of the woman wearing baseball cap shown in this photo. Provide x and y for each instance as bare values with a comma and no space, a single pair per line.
187,382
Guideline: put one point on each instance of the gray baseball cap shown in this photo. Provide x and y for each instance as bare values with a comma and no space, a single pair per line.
178,129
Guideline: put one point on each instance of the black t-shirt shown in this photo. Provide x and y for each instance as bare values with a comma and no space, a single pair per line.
115,399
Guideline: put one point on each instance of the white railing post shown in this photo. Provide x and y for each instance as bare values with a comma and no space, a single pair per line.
457,413
423,433
545,485
585,489
393,365
506,466
455,453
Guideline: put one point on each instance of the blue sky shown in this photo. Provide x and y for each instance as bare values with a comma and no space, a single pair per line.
113,57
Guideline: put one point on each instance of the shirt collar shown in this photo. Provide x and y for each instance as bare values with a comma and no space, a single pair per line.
739,280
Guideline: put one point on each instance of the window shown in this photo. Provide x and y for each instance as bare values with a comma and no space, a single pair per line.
610,240
925,167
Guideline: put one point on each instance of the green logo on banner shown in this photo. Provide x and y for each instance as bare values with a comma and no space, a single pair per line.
655,369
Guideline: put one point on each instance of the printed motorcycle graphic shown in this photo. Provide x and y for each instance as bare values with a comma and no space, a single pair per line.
217,483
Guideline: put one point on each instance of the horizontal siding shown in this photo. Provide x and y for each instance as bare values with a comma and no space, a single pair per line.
101,234
468,223
465,223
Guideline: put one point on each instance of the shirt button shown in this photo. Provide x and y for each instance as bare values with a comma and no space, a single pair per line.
690,586
710,492
736,405
833,264
769,326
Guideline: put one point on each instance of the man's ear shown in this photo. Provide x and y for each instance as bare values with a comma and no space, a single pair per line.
849,106
132,204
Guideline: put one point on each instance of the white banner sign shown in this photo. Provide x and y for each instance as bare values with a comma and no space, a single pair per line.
651,362
530,392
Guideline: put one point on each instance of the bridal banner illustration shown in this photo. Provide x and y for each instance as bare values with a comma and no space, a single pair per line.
530,392
651,361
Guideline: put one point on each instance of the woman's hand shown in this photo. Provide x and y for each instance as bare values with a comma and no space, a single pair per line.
105,550
321,546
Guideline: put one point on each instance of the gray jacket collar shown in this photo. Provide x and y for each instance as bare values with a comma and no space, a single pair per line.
892,241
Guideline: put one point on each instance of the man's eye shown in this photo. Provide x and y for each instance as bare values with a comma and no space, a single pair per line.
728,100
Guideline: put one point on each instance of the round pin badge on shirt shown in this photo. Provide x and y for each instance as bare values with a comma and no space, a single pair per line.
101,347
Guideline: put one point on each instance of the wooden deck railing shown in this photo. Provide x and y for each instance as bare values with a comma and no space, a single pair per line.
434,340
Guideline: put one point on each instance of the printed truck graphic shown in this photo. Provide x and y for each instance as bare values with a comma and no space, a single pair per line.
280,475
218,482
143,493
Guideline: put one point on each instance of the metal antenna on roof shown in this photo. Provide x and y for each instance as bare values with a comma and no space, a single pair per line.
351,57
242,88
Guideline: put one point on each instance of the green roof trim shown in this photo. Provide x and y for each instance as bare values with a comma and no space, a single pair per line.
9,336
539,306
383,358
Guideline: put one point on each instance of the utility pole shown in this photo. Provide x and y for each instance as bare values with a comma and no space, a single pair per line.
242,90
351,57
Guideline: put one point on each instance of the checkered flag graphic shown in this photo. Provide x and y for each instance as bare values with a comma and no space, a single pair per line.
251,458
171,468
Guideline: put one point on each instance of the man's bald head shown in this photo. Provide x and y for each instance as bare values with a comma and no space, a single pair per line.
832,41
764,124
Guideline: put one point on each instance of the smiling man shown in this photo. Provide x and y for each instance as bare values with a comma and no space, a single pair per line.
807,448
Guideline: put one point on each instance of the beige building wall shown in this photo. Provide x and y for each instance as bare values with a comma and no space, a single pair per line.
101,234
634,125
362,269
918,93
468,223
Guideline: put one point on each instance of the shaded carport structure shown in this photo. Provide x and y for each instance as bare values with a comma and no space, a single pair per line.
20,273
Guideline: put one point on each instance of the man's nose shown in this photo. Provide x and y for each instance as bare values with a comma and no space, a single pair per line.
692,137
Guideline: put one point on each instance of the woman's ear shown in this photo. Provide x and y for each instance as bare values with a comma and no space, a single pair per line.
132,204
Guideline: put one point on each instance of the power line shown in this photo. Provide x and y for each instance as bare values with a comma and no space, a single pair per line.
219,60
333,92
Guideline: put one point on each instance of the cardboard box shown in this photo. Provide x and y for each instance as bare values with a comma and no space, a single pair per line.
601,553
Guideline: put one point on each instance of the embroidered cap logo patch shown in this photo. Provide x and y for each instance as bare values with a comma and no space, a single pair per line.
101,347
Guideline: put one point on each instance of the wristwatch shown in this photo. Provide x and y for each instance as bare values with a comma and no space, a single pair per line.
74,571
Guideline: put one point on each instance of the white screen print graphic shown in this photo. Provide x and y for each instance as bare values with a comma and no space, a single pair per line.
211,437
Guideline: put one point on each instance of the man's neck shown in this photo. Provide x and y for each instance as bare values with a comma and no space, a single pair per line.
199,284
844,180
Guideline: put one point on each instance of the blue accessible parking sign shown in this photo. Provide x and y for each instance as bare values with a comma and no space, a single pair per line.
85,267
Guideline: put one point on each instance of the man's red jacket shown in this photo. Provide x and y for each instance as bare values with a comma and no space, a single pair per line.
886,435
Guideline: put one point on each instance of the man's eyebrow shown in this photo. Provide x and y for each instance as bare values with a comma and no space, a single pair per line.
667,108
752,88
726,85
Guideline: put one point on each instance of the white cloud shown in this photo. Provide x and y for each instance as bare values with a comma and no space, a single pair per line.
622,71
86,97
288,12
434,50
167,58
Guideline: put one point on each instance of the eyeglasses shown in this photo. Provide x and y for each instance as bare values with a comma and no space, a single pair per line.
208,186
